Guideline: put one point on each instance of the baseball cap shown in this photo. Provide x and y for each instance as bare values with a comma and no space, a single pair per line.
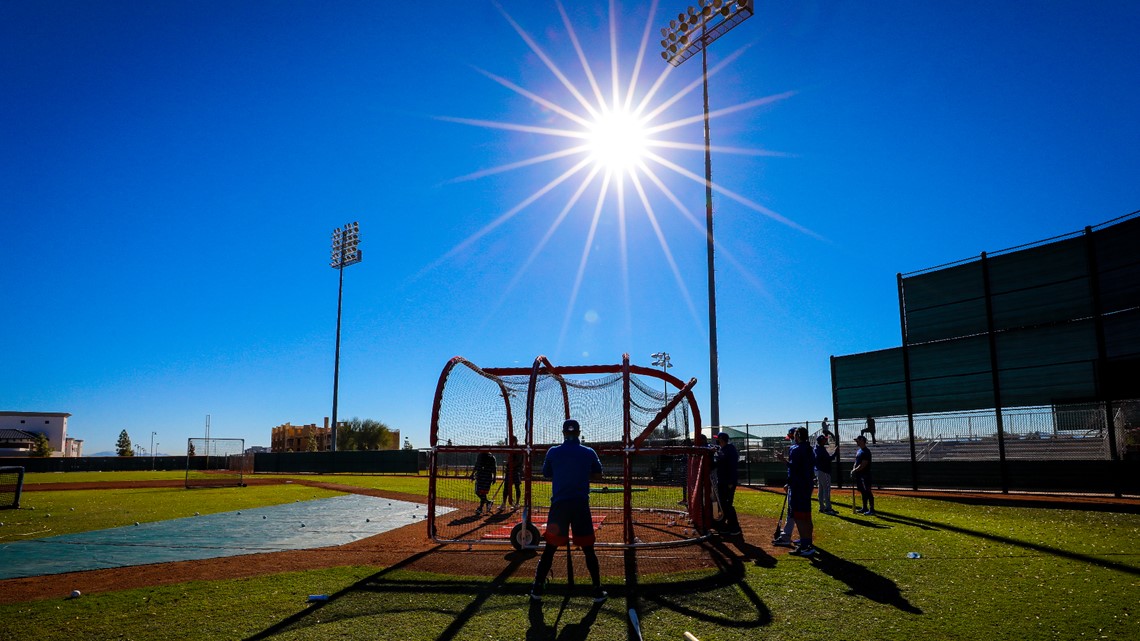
570,426
791,434
722,435
821,439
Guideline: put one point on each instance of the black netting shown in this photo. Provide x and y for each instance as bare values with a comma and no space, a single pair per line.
479,410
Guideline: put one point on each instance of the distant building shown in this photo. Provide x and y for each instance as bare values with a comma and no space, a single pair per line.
310,438
256,449
18,431
301,438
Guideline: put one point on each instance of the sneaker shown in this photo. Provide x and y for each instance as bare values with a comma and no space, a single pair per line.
858,510
870,513
600,596
805,550
782,543
479,511
536,595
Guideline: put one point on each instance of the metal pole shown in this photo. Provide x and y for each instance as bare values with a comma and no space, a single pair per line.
714,378
995,373
336,361
152,450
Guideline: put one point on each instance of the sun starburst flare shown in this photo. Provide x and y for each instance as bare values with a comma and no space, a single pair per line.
610,140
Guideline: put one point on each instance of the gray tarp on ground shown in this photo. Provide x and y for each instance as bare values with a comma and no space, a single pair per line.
292,526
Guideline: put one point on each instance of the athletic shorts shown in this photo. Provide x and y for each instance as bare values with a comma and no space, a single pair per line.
568,516
481,490
799,499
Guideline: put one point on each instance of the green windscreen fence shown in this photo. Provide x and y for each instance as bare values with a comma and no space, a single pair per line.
1059,320
870,384
945,304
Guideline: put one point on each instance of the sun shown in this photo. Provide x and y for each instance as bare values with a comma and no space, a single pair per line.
617,141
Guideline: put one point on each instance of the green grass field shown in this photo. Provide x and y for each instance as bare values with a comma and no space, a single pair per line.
985,572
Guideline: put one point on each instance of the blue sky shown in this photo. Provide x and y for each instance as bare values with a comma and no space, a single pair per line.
173,171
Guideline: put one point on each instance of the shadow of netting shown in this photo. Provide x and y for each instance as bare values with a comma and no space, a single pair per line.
719,596
473,577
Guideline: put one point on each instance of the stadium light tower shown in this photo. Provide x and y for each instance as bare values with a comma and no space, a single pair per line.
661,359
692,32
152,434
345,252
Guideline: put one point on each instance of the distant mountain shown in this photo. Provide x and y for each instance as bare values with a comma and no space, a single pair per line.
103,454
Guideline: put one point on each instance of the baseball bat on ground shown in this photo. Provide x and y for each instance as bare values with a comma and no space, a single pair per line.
635,623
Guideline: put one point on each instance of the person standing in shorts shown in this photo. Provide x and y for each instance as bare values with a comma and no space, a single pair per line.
823,460
570,467
862,475
801,467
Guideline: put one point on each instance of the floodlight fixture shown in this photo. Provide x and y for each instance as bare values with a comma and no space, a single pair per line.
661,359
345,252
713,19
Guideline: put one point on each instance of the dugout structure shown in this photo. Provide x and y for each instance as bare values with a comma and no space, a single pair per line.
656,489
11,486
216,462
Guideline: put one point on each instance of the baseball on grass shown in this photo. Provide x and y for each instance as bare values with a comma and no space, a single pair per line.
75,594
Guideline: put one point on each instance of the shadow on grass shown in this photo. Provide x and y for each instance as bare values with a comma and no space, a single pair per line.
412,594
1036,547
865,522
903,521
1079,503
688,597
862,582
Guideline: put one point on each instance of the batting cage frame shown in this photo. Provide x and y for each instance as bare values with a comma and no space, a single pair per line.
491,429
216,462
11,486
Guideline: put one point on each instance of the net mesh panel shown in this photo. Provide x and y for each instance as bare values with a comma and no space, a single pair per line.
216,462
472,417
473,410
11,486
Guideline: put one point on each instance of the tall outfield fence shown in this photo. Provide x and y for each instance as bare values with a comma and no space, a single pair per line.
344,461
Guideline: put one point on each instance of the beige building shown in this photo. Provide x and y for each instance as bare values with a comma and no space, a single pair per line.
301,438
18,432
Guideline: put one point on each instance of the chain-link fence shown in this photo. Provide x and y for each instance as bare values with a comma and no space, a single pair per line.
969,450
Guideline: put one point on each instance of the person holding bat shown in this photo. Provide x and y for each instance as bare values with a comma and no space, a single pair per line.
570,467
